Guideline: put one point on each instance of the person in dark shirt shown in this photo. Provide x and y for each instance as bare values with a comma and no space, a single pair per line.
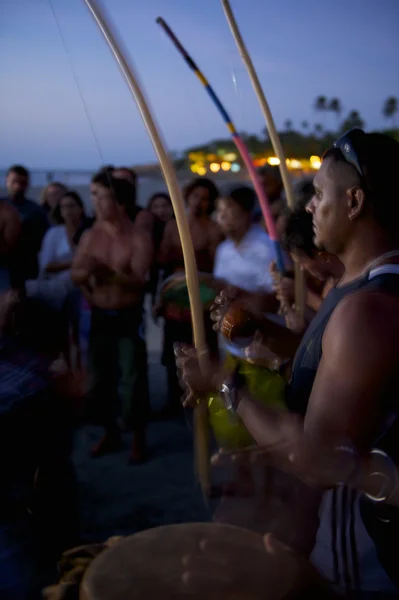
34,225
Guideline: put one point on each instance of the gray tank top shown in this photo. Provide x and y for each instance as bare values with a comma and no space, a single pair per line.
346,552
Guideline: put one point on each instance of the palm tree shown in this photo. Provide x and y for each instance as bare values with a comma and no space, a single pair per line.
318,128
305,125
353,120
320,103
390,109
288,125
335,106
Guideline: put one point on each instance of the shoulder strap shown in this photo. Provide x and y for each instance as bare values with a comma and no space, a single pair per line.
384,270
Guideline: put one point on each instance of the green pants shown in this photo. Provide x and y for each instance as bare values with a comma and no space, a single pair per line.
118,367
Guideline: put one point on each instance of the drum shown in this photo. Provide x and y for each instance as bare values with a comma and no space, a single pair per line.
265,384
174,298
197,561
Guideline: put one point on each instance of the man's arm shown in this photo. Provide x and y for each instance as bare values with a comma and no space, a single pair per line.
360,355
81,264
10,228
145,221
143,256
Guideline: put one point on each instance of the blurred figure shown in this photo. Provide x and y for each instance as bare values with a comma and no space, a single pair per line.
50,199
200,196
244,258
10,232
140,216
272,183
25,263
58,244
38,508
54,285
323,270
111,267
160,206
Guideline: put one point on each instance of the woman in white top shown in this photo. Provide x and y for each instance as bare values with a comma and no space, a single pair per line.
243,260
55,258
58,244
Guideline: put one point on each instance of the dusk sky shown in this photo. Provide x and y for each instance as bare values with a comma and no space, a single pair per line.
301,49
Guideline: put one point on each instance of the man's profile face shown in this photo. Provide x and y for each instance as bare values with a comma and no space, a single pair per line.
329,209
16,185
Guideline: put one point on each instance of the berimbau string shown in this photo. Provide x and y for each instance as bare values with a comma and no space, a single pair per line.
240,145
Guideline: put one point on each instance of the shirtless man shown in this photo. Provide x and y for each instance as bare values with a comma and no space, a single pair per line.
200,196
345,372
10,233
111,266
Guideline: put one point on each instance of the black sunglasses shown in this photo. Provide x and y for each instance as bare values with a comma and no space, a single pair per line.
347,145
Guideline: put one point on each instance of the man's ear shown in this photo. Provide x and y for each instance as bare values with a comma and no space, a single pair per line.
356,202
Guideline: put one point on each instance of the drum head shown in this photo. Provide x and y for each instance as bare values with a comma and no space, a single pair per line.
174,290
198,561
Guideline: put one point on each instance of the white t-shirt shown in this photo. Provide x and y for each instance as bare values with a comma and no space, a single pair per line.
246,265
55,248
52,288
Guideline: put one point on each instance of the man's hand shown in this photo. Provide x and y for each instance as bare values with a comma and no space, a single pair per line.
222,303
285,290
195,381
251,304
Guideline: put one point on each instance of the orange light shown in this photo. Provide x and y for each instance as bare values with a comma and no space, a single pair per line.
226,166
201,171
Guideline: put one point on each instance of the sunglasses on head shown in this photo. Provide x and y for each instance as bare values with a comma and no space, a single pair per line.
347,145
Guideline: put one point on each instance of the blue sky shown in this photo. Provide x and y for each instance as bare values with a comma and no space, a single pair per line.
345,48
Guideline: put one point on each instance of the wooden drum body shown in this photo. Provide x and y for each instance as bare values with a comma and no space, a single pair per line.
203,561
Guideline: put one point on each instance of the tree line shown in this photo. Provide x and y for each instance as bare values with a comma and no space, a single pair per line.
305,139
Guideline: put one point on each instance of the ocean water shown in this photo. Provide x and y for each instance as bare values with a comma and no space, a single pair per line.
80,180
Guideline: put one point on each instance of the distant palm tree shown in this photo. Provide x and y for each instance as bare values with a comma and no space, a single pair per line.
288,125
390,109
353,120
305,125
320,103
318,128
335,106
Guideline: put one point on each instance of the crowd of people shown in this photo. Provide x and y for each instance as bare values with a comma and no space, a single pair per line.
337,362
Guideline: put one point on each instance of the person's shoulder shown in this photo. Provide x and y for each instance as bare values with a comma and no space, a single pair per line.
7,208
366,318
171,227
258,239
144,220
55,231
224,247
